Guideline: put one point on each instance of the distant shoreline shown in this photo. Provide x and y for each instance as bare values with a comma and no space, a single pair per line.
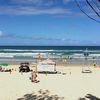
59,62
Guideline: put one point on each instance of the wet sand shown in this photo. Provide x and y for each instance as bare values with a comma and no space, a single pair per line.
73,61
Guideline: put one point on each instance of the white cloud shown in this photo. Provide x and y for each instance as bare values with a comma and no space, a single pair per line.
32,11
38,2
66,1
32,38
38,7
67,41
34,7
34,2
1,33
26,1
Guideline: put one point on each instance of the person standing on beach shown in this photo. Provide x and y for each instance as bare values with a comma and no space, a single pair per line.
39,57
10,70
0,68
34,76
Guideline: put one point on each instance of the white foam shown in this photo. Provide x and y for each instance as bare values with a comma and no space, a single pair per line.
24,50
20,54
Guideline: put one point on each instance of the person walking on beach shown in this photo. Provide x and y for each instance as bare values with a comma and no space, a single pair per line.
10,70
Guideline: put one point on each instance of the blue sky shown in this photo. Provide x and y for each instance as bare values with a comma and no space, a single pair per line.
47,22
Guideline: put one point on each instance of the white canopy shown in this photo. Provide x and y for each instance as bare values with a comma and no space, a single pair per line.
46,66
47,61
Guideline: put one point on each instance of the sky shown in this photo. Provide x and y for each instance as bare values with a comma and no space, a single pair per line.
47,22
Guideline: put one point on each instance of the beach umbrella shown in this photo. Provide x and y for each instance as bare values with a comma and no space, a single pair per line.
4,64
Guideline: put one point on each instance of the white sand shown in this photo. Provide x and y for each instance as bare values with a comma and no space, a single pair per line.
71,86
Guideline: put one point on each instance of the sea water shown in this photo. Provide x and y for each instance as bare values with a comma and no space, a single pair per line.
30,53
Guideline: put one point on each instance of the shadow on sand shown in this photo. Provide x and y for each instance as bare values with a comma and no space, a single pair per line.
89,97
42,95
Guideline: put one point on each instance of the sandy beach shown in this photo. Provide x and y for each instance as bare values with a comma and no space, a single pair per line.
68,84
49,49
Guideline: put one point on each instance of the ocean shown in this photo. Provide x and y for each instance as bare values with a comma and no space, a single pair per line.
75,54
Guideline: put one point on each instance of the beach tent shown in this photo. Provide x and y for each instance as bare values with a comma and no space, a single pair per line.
46,66
86,68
